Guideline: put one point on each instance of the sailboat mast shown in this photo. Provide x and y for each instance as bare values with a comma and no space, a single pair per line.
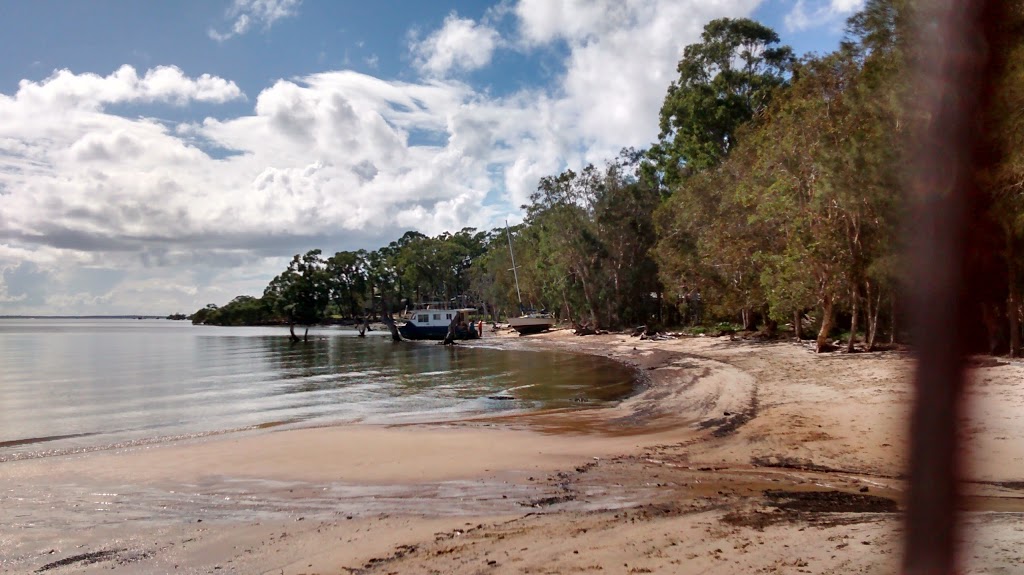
515,273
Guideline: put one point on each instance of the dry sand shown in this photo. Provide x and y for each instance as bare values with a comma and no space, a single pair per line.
738,457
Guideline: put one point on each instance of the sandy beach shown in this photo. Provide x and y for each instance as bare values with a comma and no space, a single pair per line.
737,456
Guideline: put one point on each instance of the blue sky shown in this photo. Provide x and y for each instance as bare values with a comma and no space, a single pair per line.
157,156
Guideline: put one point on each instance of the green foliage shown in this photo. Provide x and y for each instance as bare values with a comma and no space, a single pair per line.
803,210
725,80
301,293
585,247
243,310
347,282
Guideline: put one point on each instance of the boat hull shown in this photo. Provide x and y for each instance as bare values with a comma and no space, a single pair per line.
412,331
528,325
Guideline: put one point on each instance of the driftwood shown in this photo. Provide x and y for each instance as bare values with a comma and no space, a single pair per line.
295,338
385,317
648,333
449,338
586,329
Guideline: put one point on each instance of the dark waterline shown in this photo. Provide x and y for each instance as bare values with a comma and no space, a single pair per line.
70,384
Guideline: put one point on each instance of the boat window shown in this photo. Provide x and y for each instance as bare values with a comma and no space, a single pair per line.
448,316
437,316
424,317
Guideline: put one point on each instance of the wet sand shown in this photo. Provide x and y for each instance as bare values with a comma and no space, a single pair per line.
737,457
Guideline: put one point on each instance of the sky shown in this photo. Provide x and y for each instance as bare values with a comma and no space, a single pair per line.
159,156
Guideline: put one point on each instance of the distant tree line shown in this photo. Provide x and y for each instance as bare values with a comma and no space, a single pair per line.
773,199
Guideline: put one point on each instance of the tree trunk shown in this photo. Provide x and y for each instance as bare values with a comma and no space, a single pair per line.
305,335
291,330
565,300
826,325
1013,302
990,315
449,338
872,314
390,322
1013,310
798,329
590,304
385,316
892,319
661,308
855,298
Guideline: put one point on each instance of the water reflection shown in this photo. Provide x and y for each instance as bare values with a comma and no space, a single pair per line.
96,382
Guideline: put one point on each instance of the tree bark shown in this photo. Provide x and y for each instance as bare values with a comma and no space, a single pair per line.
291,330
1013,301
892,319
449,338
826,325
872,314
855,298
1013,310
990,318
565,300
798,325
390,322
305,335
590,304
385,316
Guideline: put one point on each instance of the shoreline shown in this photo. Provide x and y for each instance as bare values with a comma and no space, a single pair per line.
734,450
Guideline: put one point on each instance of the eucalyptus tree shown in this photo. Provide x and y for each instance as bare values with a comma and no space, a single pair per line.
301,293
348,281
568,246
709,248
465,248
623,210
798,144
586,242
1006,179
725,80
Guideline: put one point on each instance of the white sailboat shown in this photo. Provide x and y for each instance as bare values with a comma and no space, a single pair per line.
529,322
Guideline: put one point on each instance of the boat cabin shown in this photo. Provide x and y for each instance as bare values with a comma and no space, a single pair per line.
432,321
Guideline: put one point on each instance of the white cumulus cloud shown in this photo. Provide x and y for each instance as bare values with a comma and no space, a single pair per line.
459,45
622,57
65,89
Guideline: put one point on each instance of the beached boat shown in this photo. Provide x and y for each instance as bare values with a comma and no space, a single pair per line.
431,322
530,321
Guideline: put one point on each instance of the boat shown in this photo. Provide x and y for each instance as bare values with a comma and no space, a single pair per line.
534,322
530,321
431,321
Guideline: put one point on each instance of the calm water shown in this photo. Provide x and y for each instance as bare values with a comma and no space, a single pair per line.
74,384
